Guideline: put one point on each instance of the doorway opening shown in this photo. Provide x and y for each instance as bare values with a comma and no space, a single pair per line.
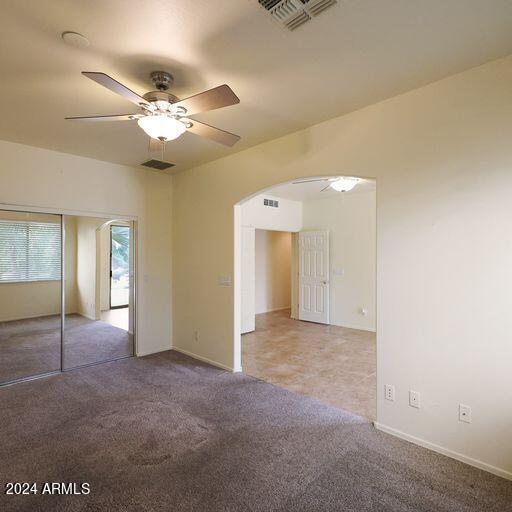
119,266
305,290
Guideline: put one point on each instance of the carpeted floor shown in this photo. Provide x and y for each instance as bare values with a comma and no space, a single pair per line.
166,432
32,346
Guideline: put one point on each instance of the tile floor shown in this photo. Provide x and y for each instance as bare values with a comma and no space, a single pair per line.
333,364
116,317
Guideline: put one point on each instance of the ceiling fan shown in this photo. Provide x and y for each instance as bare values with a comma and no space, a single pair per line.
340,184
163,116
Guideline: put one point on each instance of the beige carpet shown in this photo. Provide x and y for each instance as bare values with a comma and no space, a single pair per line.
168,433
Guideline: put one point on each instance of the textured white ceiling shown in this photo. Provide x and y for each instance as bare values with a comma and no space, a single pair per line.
356,53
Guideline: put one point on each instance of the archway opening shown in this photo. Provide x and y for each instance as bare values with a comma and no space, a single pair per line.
305,289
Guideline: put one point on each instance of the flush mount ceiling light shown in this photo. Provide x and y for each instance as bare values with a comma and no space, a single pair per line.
162,127
344,184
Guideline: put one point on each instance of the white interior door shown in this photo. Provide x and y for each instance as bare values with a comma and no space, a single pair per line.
248,275
314,276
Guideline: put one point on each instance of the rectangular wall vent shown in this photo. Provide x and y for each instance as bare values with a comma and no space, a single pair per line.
294,13
271,202
157,164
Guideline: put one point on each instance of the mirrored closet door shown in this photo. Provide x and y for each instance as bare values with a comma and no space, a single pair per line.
98,324
67,292
30,294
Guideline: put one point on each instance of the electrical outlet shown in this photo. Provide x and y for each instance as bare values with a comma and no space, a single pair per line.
464,413
414,398
389,392
363,311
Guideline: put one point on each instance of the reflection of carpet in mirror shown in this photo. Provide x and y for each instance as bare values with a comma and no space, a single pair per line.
32,346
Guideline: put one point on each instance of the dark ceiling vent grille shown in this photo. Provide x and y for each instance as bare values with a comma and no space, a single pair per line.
157,164
294,13
316,7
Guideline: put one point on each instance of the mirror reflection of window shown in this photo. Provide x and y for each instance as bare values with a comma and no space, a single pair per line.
30,294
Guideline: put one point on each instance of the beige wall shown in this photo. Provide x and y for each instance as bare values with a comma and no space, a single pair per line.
86,277
104,270
272,270
287,217
70,255
33,177
350,219
442,157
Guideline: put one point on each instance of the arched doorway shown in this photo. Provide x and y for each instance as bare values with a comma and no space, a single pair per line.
313,239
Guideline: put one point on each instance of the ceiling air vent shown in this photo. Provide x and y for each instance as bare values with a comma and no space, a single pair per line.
157,164
293,13
271,202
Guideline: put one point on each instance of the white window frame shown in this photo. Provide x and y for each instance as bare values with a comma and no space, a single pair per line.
29,279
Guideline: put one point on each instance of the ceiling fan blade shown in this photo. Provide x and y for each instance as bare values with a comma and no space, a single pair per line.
116,117
310,181
221,96
115,86
212,133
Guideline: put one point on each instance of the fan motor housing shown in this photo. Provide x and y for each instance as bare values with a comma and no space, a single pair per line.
162,80
153,96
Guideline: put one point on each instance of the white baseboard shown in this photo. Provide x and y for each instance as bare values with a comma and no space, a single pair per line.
357,327
39,315
89,317
445,451
29,317
272,310
206,360
149,352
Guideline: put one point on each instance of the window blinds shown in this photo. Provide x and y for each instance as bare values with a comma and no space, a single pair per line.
29,251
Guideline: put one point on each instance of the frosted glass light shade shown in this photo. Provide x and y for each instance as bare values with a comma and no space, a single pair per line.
344,184
161,127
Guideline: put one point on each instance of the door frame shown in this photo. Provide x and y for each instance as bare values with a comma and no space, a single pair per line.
110,267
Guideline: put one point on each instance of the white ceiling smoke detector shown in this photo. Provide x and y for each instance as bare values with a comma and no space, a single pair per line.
75,39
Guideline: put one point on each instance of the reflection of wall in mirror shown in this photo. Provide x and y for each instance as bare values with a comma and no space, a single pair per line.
87,272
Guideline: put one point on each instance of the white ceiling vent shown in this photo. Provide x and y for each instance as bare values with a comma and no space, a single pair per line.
293,13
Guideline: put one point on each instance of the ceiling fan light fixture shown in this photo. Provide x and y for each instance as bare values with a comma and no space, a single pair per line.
162,127
344,184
